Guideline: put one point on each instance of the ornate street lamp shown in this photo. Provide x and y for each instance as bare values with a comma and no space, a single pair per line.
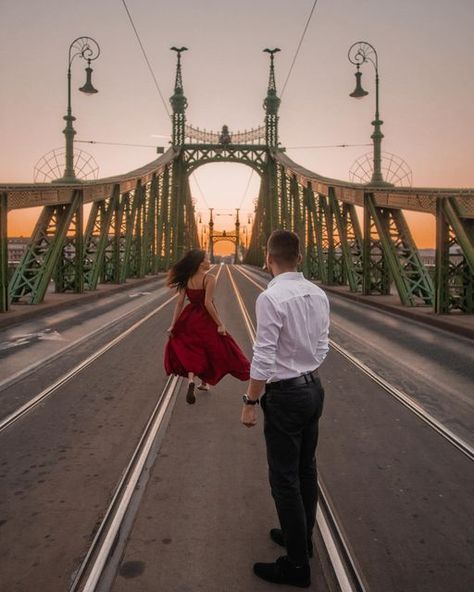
360,53
88,49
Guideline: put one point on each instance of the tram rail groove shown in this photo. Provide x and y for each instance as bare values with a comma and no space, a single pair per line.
87,578
402,397
343,563
24,409
8,382
89,575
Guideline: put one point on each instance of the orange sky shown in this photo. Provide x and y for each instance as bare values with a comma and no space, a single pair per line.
21,223
426,97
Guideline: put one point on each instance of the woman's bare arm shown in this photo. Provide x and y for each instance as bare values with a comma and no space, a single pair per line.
209,302
178,309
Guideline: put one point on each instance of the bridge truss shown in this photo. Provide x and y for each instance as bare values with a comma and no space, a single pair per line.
139,223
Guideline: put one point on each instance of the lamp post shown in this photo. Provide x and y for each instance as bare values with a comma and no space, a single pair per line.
360,53
87,49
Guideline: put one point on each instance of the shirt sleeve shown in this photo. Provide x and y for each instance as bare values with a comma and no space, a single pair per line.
323,343
269,325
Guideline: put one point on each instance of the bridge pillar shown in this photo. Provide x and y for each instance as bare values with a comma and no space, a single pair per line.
178,203
454,279
3,252
376,277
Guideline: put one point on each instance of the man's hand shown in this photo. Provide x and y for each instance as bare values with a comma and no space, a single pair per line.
249,416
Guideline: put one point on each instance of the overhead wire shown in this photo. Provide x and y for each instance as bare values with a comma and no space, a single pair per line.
201,191
298,48
246,188
328,146
146,59
115,143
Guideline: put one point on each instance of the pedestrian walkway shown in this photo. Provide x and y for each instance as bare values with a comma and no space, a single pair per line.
460,323
18,313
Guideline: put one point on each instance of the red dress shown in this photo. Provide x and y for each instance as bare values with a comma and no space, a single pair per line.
197,347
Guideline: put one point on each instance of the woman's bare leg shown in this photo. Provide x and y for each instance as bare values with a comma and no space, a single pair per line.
190,397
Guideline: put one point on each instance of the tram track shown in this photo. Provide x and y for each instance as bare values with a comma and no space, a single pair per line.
98,556
103,556
396,393
24,409
31,368
344,565
11,418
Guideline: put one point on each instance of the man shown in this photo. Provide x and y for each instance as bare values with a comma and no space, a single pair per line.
291,343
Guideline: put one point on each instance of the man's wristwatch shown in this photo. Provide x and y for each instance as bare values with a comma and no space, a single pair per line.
248,401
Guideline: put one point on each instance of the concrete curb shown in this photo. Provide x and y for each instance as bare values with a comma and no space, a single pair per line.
25,312
439,321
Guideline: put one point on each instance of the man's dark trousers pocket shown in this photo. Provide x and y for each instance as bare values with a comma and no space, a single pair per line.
291,436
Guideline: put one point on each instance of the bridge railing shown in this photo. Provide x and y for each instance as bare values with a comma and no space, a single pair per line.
381,252
130,230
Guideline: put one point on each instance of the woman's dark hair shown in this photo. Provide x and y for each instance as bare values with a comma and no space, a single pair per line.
185,268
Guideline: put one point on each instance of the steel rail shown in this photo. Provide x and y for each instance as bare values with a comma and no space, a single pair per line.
87,578
88,575
345,569
24,372
11,418
405,399
49,390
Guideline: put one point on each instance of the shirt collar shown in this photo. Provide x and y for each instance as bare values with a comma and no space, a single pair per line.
288,275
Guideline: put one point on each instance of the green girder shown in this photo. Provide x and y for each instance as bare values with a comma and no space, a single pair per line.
454,277
42,257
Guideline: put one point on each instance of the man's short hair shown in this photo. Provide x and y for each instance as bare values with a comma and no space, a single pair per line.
284,247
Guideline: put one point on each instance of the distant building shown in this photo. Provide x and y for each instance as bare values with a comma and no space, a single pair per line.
428,257
16,249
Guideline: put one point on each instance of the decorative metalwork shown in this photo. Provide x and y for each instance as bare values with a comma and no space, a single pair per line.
252,136
50,166
395,170
359,53
142,221
271,104
88,49
178,101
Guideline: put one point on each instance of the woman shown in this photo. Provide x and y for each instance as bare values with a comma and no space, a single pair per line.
199,344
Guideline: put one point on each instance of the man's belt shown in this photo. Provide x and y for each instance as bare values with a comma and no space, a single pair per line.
298,380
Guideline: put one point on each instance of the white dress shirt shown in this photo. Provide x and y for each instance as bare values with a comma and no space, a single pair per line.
292,328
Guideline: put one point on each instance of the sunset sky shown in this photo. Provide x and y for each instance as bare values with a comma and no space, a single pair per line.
426,60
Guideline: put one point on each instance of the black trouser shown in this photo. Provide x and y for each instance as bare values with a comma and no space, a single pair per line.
291,436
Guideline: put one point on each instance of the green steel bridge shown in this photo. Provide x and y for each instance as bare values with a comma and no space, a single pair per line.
142,221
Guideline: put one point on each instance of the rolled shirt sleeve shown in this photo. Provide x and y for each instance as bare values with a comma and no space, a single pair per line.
269,325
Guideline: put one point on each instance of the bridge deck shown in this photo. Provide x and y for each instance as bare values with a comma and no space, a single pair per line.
400,490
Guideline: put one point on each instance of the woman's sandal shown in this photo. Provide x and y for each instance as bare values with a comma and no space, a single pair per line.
203,388
190,397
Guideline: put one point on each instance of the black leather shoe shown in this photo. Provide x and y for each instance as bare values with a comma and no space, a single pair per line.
276,534
284,572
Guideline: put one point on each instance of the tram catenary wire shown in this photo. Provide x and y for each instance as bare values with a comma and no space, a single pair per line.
298,48
146,59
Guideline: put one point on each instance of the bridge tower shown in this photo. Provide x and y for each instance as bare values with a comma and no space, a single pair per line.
184,229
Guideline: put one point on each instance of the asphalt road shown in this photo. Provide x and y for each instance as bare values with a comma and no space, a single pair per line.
60,463
207,511
403,494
